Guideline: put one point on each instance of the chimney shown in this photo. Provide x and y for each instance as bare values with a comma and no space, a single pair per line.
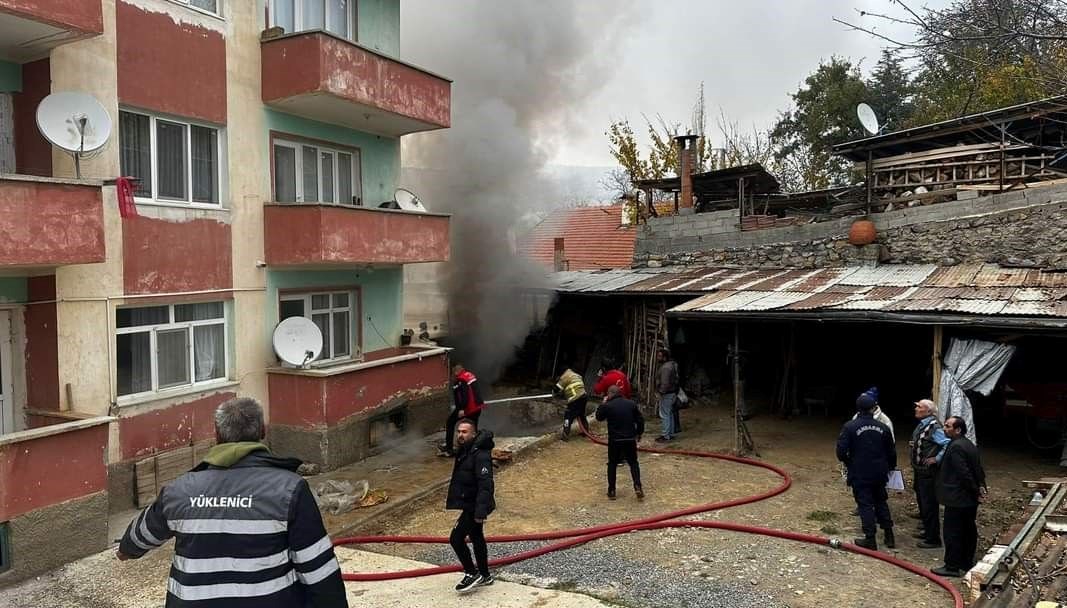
558,261
687,147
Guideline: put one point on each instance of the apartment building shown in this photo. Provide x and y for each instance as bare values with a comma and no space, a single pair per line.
262,136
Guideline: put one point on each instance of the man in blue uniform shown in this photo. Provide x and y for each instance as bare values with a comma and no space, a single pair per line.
867,449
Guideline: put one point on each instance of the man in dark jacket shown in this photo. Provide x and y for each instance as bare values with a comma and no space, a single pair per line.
866,447
471,491
926,450
667,387
625,427
960,487
247,531
467,402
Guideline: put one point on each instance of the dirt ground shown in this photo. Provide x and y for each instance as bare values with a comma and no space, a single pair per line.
564,487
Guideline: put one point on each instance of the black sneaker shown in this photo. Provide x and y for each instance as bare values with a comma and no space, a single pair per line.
639,492
469,582
485,580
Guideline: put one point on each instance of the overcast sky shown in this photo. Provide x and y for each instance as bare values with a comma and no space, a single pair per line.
750,55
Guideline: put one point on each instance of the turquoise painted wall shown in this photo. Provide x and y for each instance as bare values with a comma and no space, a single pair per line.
378,25
13,289
380,156
382,291
10,77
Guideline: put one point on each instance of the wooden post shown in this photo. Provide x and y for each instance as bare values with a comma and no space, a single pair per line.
1003,164
870,180
936,362
737,387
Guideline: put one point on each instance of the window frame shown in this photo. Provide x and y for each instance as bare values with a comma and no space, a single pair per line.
153,347
189,4
298,16
297,145
355,325
220,149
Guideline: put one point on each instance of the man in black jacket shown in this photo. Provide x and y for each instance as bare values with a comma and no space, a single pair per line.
247,531
866,447
960,487
625,427
471,490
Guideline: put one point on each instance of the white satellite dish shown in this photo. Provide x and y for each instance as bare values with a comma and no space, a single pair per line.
867,118
75,122
407,201
297,341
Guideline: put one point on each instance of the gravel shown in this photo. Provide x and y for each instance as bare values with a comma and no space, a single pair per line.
607,572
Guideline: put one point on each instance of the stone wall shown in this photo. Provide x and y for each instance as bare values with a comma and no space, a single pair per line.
1022,228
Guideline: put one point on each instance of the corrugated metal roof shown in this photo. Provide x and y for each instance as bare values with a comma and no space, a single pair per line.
973,289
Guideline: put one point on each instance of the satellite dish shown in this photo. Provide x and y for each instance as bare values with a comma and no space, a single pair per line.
867,118
407,201
297,341
75,122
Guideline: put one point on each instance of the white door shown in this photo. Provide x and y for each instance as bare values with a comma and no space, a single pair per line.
7,395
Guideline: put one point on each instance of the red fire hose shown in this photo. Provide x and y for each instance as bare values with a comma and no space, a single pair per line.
579,536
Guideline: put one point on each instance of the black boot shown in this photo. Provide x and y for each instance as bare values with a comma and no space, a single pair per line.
868,542
890,542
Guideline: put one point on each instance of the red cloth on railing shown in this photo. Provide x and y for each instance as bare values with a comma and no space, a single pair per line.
124,189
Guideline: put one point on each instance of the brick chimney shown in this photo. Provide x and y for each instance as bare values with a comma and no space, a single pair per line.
687,149
559,262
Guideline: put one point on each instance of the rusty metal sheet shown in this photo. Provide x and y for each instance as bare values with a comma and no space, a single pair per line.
773,282
700,302
824,299
953,276
619,282
846,289
1050,279
890,275
774,300
742,277
937,293
1036,309
822,279
735,301
986,293
696,281
995,276
974,307
886,293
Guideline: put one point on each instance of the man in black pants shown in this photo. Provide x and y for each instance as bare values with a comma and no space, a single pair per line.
867,449
927,448
625,427
960,487
471,490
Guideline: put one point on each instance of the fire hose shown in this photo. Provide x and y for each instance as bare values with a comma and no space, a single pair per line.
579,536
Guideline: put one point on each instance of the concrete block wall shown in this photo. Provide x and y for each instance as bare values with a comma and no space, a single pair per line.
1023,226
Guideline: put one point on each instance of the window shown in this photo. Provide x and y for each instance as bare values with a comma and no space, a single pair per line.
332,313
174,161
168,346
337,17
210,6
310,173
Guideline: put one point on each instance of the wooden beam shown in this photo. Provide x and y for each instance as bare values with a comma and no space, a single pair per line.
936,362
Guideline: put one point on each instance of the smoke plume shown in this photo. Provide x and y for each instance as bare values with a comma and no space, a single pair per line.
517,70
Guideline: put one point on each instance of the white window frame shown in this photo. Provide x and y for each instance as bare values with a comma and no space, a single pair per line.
298,17
214,13
188,124
355,349
154,330
356,174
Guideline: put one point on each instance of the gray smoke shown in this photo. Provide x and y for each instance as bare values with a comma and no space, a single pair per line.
517,68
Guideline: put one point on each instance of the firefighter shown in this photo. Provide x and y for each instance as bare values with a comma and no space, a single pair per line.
572,389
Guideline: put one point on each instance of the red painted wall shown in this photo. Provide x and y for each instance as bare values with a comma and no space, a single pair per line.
46,224
33,153
172,427
49,470
316,402
168,67
81,15
315,62
166,257
331,234
42,345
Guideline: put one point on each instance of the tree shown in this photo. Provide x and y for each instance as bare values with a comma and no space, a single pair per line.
890,91
823,114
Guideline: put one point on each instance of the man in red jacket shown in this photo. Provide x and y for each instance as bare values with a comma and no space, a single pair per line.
467,402
612,377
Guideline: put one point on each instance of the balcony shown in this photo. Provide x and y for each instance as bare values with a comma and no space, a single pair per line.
305,234
319,76
49,222
30,28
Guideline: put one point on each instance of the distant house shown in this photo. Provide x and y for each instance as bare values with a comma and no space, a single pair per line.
583,238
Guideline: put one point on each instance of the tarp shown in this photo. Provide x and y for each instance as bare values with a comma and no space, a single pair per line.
970,365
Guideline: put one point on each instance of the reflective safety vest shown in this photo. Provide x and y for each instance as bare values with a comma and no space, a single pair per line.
571,385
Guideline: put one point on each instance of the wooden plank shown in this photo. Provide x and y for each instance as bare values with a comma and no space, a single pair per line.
938,153
145,481
200,449
171,465
936,362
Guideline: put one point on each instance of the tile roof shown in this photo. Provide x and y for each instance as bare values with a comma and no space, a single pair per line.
594,238
978,290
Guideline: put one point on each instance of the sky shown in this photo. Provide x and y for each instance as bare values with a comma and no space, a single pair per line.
651,56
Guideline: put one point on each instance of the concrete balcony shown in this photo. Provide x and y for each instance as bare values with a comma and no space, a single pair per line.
48,222
319,76
310,235
30,28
